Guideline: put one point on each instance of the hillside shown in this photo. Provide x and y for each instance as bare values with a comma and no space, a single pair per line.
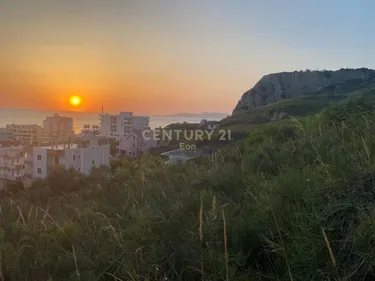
276,87
293,201
301,105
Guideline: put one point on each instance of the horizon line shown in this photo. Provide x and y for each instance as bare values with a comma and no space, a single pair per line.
93,112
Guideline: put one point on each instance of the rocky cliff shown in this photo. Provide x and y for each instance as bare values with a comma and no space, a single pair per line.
275,87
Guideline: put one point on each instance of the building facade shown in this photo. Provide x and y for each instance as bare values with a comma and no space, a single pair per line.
136,143
57,129
40,160
25,133
11,166
5,136
119,126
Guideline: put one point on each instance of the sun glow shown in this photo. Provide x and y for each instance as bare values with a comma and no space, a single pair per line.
75,100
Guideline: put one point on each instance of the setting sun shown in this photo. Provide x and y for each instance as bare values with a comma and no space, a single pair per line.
75,100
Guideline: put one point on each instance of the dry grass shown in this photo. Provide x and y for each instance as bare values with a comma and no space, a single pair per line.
140,223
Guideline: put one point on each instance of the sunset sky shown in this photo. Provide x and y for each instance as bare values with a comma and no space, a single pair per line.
162,57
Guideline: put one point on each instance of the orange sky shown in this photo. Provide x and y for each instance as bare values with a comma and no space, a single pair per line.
165,56
44,77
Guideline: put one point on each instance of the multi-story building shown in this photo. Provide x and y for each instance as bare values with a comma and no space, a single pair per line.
5,136
119,126
137,142
57,129
25,133
90,138
40,160
91,129
11,165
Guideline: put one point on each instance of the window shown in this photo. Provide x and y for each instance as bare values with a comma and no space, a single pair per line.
93,162
74,158
133,144
39,157
39,171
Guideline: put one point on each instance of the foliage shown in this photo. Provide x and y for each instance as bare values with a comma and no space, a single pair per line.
306,104
294,202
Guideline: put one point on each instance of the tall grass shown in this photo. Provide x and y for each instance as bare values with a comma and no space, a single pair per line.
295,202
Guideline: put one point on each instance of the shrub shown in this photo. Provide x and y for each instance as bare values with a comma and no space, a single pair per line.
294,202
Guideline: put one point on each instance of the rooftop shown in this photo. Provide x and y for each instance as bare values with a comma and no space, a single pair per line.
58,147
88,135
22,125
124,114
11,148
182,153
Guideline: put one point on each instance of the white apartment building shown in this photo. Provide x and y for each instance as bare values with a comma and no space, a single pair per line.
25,133
11,165
58,129
40,160
90,138
119,126
136,143
94,129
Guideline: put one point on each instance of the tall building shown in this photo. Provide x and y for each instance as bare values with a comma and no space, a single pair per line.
40,160
5,136
119,126
11,165
94,129
57,129
25,133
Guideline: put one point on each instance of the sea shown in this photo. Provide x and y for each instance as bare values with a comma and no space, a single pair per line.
22,116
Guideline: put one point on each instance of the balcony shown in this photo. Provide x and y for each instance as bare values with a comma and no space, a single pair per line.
51,166
13,154
28,162
10,177
12,165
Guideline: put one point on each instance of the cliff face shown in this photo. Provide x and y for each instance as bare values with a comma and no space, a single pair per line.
275,87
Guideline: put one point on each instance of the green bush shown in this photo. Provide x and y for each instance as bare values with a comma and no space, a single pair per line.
295,202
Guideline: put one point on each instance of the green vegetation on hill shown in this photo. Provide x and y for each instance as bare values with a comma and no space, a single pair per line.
304,105
295,202
244,123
